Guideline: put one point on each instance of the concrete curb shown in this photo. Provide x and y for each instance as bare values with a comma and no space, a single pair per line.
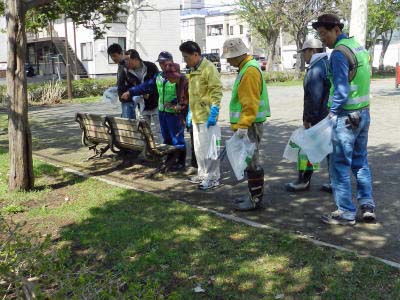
222,215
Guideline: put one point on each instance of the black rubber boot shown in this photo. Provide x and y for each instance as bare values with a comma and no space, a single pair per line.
302,183
254,199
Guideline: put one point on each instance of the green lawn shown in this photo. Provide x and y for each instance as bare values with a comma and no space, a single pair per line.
112,243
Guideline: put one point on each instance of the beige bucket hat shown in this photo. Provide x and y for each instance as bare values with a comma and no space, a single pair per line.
312,44
234,47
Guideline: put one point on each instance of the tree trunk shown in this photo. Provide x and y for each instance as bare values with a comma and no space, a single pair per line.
271,52
300,64
386,39
20,140
358,21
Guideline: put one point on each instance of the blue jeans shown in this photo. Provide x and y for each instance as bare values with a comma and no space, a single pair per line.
172,129
128,110
350,155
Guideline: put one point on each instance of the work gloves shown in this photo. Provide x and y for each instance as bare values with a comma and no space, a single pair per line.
189,119
241,132
212,117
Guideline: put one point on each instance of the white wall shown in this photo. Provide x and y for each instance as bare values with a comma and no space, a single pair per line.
3,40
392,55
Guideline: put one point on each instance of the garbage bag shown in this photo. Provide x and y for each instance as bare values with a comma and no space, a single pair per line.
316,141
240,152
214,136
291,152
110,96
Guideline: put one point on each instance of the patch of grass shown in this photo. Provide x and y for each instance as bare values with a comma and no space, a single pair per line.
13,209
383,76
112,243
90,99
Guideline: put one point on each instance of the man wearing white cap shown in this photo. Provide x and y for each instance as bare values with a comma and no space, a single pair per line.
248,109
316,93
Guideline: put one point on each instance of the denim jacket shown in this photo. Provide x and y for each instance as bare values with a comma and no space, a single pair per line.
316,89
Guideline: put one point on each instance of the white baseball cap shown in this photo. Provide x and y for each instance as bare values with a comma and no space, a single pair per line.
312,44
234,47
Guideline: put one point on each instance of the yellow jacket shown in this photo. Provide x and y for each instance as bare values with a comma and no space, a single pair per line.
249,92
205,89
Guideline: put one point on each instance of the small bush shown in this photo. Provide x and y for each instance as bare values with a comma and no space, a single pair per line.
279,76
51,92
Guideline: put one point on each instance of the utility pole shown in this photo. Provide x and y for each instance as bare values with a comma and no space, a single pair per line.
67,65
358,21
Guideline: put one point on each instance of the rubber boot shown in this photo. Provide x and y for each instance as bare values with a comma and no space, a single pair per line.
302,183
254,199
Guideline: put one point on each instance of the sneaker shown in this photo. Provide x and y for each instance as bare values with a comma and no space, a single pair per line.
327,187
195,179
335,218
207,184
368,213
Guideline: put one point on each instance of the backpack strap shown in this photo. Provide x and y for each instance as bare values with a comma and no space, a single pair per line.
351,58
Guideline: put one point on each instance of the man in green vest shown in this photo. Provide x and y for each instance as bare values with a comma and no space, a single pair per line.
248,109
349,111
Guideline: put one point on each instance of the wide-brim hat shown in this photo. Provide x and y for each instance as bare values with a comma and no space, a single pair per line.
234,47
311,44
327,19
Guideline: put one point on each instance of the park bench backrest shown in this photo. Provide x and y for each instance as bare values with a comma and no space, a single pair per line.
125,133
93,127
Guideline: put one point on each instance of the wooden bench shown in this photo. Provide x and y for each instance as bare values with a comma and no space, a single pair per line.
136,135
124,136
94,133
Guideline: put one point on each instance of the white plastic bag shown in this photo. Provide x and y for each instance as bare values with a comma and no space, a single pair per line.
214,136
240,152
291,152
110,96
316,142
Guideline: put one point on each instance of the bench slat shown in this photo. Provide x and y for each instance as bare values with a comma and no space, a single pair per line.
129,140
97,134
132,134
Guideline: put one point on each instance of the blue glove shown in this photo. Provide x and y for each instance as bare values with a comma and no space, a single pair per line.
189,119
212,117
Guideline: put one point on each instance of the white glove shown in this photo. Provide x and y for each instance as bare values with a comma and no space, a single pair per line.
241,132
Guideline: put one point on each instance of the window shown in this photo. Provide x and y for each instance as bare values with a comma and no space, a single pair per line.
86,51
227,28
231,30
216,51
241,29
116,40
214,29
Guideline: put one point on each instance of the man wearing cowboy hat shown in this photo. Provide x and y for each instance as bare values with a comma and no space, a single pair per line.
249,109
349,110
316,92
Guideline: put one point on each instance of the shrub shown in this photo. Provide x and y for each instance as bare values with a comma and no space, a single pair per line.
51,92
279,76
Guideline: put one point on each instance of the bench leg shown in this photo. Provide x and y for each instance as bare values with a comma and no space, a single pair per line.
97,152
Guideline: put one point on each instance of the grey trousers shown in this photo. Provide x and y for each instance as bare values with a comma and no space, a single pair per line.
255,133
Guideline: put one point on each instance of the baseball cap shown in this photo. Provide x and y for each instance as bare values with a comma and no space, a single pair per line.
164,56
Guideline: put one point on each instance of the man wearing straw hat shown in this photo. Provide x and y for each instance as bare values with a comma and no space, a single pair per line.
248,109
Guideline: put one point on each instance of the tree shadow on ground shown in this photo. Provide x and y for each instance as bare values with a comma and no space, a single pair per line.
159,245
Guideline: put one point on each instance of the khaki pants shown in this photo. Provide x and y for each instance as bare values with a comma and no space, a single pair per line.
208,169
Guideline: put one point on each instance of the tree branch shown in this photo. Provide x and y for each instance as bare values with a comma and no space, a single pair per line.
35,3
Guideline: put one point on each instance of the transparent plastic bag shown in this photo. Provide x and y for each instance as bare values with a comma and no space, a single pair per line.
214,136
110,96
316,141
291,152
240,152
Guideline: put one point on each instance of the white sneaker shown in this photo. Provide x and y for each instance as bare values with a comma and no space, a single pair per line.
207,184
196,179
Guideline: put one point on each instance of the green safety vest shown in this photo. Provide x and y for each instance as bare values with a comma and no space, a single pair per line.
235,108
359,85
166,93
